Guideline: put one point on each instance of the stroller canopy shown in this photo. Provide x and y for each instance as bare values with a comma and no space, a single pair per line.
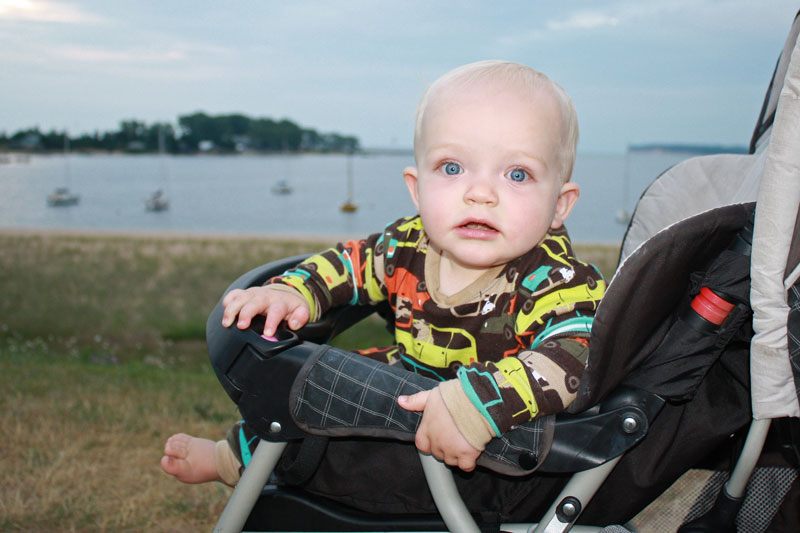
770,175
775,354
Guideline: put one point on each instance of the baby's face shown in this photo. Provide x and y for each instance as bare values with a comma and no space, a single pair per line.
488,185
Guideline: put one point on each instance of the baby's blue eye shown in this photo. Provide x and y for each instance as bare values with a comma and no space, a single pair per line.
452,169
517,175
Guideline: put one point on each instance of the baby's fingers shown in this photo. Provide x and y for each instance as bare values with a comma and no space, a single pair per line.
423,443
298,318
275,315
232,304
230,296
275,305
467,464
414,402
295,316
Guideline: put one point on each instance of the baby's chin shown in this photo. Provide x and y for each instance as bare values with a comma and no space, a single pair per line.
474,261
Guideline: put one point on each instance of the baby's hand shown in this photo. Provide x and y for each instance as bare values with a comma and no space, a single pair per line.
438,434
276,305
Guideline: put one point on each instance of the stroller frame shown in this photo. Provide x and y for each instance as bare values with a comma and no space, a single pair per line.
560,517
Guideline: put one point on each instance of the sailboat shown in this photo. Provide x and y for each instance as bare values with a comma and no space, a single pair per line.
349,206
282,186
158,201
62,196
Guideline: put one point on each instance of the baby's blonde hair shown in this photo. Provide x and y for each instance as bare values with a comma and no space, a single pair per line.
513,75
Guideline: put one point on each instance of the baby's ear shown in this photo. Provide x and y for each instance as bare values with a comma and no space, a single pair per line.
564,203
410,176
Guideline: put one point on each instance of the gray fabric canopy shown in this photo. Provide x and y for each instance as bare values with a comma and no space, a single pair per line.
770,176
774,391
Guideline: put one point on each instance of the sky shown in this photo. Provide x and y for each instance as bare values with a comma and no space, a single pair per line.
639,71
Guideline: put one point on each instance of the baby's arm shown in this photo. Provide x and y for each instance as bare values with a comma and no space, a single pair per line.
343,275
452,421
438,433
277,304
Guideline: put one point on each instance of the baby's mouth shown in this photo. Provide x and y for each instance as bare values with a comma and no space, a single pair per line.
478,226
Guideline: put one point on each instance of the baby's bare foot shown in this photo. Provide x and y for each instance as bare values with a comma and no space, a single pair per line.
190,459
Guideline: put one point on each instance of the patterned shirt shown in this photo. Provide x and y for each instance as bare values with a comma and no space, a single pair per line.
516,338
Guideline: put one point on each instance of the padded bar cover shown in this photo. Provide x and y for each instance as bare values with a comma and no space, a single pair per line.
339,393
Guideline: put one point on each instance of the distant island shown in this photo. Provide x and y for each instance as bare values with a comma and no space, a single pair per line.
695,149
196,133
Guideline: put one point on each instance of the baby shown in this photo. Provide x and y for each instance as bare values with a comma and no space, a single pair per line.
487,294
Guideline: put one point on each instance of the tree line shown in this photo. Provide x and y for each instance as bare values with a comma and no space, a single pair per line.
195,133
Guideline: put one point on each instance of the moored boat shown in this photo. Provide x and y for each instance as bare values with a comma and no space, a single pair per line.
157,202
62,197
282,187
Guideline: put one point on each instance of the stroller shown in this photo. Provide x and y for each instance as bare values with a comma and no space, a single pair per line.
683,383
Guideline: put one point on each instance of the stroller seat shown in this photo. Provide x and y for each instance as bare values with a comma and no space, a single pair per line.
260,375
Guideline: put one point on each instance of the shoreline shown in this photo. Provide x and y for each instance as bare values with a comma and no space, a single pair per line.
167,234
176,234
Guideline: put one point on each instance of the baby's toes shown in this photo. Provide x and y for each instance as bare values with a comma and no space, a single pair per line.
178,446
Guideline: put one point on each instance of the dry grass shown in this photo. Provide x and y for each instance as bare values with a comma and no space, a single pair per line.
101,359
129,290
82,443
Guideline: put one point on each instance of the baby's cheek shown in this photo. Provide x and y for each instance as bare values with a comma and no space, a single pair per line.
434,219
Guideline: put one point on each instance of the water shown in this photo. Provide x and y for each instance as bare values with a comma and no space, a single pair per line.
231,194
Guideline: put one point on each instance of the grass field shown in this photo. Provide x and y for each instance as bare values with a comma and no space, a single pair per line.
102,357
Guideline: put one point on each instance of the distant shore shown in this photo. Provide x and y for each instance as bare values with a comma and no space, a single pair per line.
167,234
175,234
692,149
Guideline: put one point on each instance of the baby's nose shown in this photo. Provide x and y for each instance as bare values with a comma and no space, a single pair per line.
480,191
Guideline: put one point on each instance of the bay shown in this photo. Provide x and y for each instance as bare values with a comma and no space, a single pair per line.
232,194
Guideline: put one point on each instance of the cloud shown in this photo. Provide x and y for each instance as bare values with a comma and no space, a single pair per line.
154,55
43,11
104,55
647,19
583,20
573,23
